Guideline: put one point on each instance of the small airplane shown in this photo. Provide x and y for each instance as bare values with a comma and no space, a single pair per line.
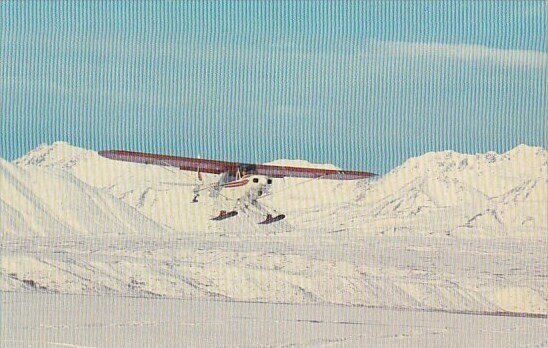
242,183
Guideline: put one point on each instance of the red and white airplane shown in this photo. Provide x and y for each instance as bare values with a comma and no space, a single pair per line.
242,183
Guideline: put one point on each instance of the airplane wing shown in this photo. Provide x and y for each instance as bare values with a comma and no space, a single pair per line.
299,172
183,163
219,167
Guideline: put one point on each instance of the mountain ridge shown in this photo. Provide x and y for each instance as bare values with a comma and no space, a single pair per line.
465,188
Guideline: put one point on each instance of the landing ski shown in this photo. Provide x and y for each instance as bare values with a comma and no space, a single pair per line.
269,219
225,215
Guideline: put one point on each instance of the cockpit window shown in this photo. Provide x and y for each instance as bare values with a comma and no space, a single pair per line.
255,180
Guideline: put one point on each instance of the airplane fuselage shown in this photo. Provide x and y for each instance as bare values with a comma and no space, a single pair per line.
247,188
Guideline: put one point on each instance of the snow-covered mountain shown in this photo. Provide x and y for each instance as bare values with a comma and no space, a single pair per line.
51,202
466,194
302,164
444,192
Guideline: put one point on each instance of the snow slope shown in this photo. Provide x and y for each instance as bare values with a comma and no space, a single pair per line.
442,231
53,203
55,320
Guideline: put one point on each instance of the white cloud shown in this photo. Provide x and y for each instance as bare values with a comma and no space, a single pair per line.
468,53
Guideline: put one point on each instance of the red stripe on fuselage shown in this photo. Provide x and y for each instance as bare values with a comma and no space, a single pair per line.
236,183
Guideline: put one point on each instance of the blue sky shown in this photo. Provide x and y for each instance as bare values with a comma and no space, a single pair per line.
363,85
